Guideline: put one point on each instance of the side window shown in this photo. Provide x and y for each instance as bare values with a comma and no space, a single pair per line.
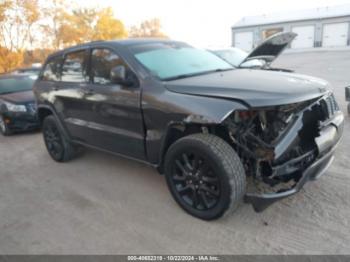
51,71
102,61
74,68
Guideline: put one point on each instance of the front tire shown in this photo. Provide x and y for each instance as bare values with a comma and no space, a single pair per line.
205,176
4,129
58,146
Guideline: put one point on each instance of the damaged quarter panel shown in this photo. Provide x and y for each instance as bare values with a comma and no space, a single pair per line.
164,110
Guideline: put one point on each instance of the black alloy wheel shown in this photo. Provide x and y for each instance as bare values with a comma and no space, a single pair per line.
195,181
53,141
58,146
205,176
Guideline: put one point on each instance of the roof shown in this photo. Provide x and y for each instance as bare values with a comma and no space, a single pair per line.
297,15
121,42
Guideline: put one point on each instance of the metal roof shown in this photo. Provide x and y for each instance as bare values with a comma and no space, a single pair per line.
297,15
120,42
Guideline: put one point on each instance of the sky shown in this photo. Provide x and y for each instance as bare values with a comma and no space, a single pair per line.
200,22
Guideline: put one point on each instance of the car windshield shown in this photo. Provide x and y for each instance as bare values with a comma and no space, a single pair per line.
14,85
169,62
236,56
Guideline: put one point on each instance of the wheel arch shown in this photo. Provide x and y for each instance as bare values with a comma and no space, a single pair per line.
176,131
46,110
43,112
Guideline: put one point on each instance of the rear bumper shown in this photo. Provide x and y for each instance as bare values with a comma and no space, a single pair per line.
326,145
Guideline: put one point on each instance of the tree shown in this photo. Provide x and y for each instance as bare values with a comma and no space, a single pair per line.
17,21
107,27
37,55
54,13
148,28
89,24
9,59
30,29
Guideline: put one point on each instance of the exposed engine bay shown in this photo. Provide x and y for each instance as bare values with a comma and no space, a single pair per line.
276,144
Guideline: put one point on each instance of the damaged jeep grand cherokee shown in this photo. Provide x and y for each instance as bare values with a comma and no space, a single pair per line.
219,134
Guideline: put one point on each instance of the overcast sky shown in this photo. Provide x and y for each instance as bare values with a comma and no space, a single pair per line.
201,22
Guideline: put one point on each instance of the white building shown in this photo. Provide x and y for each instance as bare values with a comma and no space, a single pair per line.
320,27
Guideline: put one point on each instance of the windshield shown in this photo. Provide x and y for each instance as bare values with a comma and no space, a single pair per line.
236,56
14,85
169,62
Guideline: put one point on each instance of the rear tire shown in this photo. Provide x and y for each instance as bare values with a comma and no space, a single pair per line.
349,108
4,129
58,146
205,176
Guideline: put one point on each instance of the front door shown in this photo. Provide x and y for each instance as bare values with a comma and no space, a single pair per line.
115,119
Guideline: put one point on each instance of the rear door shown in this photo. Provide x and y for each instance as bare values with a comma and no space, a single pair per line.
69,97
115,118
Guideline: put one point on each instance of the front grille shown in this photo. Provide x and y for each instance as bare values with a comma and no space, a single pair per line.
329,106
31,108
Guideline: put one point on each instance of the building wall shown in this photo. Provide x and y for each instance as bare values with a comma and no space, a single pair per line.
287,27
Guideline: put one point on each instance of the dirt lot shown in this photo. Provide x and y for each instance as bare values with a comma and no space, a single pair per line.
104,204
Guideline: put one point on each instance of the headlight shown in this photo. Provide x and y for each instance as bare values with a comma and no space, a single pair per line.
15,108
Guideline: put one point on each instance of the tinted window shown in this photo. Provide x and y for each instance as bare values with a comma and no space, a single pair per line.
52,70
103,60
74,68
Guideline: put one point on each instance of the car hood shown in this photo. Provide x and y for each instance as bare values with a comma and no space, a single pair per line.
256,88
271,48
19,97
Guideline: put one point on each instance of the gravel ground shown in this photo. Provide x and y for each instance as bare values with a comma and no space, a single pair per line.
100,204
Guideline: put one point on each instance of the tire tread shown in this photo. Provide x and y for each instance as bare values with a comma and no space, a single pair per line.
230,162
69,149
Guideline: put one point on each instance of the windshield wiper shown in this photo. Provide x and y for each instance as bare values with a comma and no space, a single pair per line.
197,74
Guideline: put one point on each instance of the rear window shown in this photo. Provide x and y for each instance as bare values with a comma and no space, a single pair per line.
14,85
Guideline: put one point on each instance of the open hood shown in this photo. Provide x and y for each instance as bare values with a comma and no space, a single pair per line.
271,48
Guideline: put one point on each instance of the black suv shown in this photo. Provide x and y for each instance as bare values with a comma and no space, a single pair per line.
203,123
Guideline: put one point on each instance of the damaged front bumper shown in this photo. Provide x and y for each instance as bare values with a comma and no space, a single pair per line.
330,135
